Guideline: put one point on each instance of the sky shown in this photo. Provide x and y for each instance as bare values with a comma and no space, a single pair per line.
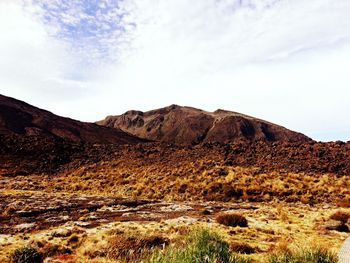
285,61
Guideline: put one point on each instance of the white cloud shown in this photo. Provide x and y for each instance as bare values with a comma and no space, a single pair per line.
34,66
93,29
284,61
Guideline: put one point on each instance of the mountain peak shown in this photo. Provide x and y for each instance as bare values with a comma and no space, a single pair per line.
187,125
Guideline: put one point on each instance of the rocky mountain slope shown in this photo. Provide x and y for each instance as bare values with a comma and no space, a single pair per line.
186,125
34,141
22,119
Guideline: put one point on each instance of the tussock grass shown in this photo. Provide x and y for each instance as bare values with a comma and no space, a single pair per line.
201,246
131,248
232,220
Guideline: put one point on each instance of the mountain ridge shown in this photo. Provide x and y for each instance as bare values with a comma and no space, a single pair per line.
20,118
188,125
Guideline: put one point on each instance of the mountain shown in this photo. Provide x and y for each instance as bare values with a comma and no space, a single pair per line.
20,118
186,125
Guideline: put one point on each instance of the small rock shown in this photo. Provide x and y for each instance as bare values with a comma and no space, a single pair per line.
82,224
181,220
176,208
206,212
61,232
25,225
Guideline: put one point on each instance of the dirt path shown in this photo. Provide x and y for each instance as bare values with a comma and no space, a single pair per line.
344,253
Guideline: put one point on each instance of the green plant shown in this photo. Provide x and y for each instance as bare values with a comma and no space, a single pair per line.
26,255
201,246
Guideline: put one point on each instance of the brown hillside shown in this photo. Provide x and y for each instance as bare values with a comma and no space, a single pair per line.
20,118
186,125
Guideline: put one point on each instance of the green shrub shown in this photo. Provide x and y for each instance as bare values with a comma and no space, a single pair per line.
305,256
201,246
26,255
232,220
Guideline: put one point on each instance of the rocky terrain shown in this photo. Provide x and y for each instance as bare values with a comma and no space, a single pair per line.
186,125
24,155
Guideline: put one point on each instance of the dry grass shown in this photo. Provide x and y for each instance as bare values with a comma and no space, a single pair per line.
242,248
202,180
132,248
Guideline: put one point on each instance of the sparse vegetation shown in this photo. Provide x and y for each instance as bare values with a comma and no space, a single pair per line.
149,242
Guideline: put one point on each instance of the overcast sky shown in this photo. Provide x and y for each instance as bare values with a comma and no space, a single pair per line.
285,61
